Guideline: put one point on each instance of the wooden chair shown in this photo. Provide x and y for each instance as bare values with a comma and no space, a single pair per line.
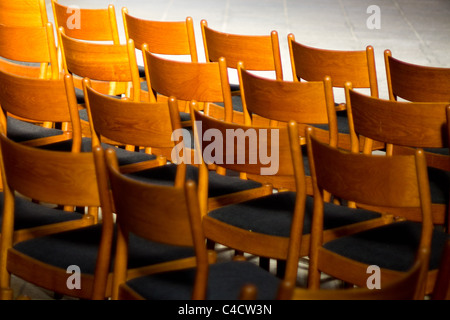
279,218
393,247
52,177
46,260
23,13
179,226
357,66
29,103
412,125
17,57
383,121
404,288
258,52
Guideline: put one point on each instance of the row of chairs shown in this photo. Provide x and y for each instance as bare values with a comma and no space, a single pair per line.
134,200
247,97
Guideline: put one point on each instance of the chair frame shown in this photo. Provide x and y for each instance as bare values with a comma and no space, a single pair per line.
415,194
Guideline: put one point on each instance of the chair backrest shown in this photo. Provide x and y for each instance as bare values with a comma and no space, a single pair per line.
86,23
162,37
108,63
54,177
282,101
41,100
144,124
411,124
254,150
416,83
163,214
258,52
313,64
35,45
403,288
200,81
23,13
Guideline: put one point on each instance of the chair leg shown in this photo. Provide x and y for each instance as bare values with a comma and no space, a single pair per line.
6,294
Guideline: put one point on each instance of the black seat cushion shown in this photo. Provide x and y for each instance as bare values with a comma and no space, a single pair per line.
391,246
124,156
218,184
225,281
80,247
20,131
272,214
29,214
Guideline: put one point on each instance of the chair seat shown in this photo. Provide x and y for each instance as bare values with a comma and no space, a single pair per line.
124,156
391,246
218,184
20,131
29,214
272,214
225,281
60,249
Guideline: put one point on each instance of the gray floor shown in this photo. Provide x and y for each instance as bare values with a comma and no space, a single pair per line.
416,31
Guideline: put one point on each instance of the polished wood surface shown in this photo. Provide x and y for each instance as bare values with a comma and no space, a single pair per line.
358,177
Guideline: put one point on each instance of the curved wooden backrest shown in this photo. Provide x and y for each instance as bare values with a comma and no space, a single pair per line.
258,52
103,62
304,102
413,124
415,82
56,177
143,124
31,13
313,64
243,148
199,81
404,288
162,37
36,99
31,45
87,24
376,180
